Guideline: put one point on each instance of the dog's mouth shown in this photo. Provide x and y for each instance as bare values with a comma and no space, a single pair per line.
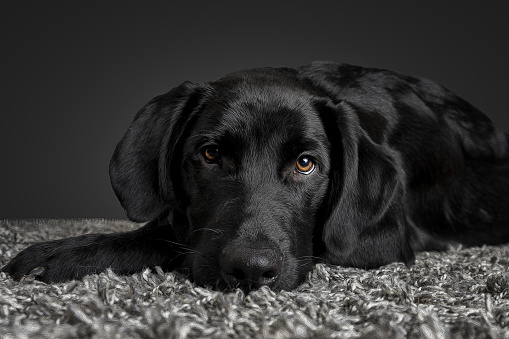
248,269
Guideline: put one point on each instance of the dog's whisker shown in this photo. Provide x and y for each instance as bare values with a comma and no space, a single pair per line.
179,254
184,247
307,257
218,232
171,241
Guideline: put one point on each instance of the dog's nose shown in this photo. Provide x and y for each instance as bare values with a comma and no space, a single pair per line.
250,268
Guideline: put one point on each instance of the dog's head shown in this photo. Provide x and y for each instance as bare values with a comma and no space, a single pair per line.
252,169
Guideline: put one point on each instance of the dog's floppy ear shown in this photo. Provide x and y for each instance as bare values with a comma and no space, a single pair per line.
365,225
139,168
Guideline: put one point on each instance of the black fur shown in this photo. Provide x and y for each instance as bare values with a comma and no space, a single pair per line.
401,165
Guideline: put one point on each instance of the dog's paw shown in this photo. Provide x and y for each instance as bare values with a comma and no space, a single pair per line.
53,261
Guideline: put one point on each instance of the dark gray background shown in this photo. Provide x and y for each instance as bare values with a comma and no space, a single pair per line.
73,76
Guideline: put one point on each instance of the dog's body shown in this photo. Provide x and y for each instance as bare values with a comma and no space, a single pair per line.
250,179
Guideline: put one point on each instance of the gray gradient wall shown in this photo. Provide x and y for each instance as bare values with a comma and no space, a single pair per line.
74,75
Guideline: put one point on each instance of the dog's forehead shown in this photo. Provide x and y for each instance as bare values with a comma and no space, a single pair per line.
254,110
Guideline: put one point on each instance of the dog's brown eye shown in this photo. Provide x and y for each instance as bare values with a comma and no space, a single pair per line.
211,154
305,165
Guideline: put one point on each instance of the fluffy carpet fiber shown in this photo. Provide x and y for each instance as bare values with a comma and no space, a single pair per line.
462,293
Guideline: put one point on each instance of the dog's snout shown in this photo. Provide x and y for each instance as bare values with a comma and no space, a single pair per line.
250,268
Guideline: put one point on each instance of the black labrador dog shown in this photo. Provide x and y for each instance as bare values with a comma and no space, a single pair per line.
249,180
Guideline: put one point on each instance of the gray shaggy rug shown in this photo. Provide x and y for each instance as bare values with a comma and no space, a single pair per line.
462,293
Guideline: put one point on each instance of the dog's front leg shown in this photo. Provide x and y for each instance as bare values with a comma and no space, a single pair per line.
72,258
